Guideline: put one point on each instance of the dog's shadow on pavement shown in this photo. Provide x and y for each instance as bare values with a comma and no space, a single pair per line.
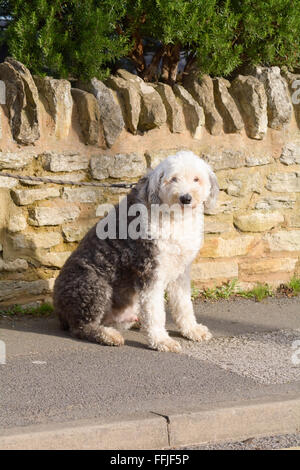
49,326
46,325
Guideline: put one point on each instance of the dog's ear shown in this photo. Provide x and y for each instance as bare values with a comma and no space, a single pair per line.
141,190
153,185
147,189
211,201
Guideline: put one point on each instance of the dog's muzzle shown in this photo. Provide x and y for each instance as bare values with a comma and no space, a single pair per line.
185,199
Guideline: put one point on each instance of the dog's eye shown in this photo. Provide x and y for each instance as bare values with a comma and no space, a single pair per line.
196,179
174,179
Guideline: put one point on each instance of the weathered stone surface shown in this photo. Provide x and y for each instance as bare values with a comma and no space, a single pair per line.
193,113
175,117
130,165
131,100
267,265
85,195
52,259
276,202
284,182
100,166
13,266
224,160
75,231
154,157
212,225
225,104
72,176
294,220
33,240
89,115
21,101
8,183
291,154
126,75
216,227
225,204
127,165
110,110
153,113
202,90
257,221
279,105
251,99
238,246
57,96
204,271
220,247
14,161
40,216
23,197
284,240
15,289
17,222
293,81
258,160
30,183
241,184
65,162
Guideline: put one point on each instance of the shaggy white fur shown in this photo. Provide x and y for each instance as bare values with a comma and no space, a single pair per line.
176,177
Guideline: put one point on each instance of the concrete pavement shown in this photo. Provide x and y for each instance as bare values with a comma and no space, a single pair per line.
53,382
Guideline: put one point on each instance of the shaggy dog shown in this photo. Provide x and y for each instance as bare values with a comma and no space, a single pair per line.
110,281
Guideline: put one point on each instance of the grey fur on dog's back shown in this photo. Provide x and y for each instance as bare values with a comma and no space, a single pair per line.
102,275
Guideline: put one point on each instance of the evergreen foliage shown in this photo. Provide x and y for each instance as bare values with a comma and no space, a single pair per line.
84,38
72,38
268,31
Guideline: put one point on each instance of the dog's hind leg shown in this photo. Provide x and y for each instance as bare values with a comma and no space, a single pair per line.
81,302
98,334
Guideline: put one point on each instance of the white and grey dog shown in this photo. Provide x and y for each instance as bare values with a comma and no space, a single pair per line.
112,280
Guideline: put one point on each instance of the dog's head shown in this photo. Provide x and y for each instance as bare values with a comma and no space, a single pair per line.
183,179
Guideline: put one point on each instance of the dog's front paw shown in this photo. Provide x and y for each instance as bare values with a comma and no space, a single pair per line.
167,345
198,333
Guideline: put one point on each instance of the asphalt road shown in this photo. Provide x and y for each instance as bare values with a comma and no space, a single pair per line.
49,377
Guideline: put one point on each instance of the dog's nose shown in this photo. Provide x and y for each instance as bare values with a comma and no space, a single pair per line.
185,199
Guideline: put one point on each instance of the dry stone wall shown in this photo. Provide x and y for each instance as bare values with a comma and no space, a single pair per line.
247,130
